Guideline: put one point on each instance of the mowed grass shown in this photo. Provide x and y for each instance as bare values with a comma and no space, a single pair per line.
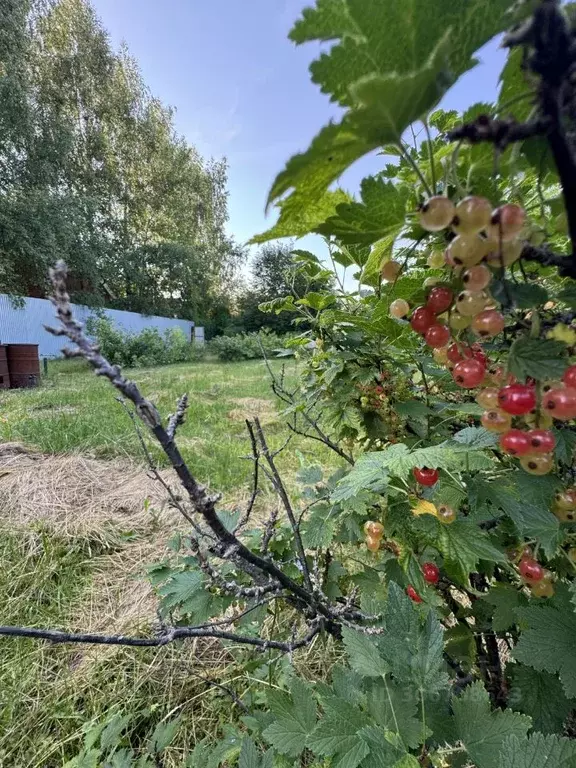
74,410
49,694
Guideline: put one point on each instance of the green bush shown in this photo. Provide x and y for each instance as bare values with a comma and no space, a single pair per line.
246,346
144,349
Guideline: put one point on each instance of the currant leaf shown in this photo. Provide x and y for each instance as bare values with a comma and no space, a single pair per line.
540,695
538,751
547,644
483,731
381,214
364,653
540,359
505,599
295,718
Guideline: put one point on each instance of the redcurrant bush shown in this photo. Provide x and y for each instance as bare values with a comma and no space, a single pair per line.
440,299
422,318
541,441
517,399
437,336
560,403
530,569
515,442
469,373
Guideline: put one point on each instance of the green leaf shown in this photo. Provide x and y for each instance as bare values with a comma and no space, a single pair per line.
111,734
310,475
337,733
363,653
521,295
473,439
568,295
164,734
462,545
295,719
537,358
506,599
368,474
413,651
249,755
296,220
565,445
539,695
319,528
317,301
547,644
481,730
386,106
395,708
384,751
527,500
381,214
180,588
538,751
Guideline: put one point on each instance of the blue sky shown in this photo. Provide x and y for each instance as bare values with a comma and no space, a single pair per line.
241,89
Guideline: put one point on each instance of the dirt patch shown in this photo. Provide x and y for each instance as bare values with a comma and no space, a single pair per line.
249,407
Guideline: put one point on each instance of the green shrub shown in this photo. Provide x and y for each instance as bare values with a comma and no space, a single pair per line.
247,346
144,349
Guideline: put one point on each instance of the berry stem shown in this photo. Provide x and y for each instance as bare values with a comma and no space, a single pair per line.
430,155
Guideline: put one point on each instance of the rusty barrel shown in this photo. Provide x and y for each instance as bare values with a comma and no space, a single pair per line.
23,365
4,375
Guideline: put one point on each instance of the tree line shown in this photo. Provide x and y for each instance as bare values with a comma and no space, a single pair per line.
92,171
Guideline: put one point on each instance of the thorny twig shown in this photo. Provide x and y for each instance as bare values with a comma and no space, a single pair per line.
255,490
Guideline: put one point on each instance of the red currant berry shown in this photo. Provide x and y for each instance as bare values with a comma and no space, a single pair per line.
560,403
431,573
541,441
517,399
469,373
530,569
569,377
373,543
473,214
374,529
515,442
566,499
488,398
390,271
477,278
399,308
437,336
508,221
488,323
436,213
412,594
538,463
422,318
425,475
496,420
440,299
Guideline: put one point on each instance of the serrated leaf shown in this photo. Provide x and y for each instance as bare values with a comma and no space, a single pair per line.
310,475
395,708
540,359
368,474
337,732
539,695
164,734
296,220
521,295
527,500
462,545
565,445
295,719
381,214
568,295
319,528
363,653
538,751
249,755
180,588
483,731
473,438
111,734
547,644
413,651
506,599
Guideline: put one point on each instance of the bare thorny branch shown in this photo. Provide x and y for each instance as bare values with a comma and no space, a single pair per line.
550,47
209,537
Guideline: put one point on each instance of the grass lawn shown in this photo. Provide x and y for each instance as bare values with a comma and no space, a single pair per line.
77,411
49,693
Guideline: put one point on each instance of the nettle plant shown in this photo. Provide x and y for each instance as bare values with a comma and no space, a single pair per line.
441,556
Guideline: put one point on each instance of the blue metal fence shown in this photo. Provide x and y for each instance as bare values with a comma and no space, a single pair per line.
25,325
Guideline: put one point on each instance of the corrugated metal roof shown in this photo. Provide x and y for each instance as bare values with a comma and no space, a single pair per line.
25,325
